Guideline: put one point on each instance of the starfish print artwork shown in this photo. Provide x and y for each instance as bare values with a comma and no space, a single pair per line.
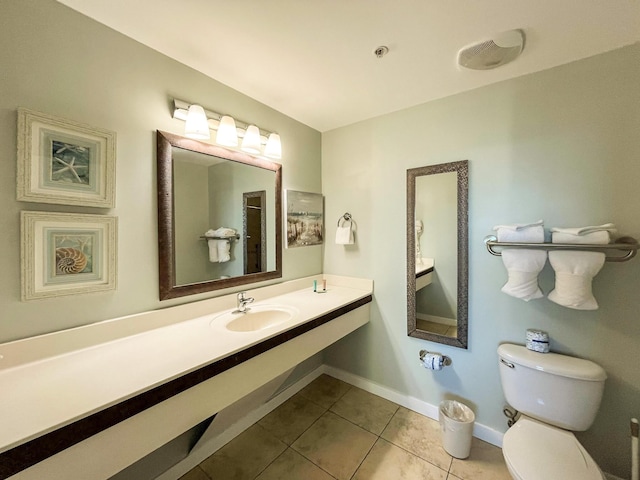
70,163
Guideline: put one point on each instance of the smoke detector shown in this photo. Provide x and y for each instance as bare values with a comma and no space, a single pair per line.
381,51
501,49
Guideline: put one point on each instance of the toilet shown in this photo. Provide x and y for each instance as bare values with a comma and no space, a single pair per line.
555,395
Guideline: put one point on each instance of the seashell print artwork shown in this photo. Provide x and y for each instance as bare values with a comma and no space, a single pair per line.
67,254
70,260
73,254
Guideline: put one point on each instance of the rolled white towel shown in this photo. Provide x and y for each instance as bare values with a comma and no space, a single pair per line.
523,265
574,275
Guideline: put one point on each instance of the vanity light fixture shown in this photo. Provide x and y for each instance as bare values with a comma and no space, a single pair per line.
254,140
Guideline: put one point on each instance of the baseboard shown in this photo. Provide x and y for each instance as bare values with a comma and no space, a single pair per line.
205,451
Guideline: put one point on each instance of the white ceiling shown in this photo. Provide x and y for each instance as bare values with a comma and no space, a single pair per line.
313,59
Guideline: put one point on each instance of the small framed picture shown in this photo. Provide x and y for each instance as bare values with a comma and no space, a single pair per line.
67,254
305,218
64,162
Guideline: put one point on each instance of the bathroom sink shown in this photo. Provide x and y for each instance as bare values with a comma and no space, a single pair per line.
257,317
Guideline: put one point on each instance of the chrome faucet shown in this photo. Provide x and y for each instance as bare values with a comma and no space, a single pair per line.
243,302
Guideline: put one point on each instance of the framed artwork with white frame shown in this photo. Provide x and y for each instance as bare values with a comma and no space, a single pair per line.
67,254
64,162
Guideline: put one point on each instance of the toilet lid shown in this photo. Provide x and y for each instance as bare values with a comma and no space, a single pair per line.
534,450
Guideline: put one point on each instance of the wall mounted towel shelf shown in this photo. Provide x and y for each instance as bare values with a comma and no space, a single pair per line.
233,237
623,244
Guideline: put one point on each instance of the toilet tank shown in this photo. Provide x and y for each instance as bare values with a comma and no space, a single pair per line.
557,389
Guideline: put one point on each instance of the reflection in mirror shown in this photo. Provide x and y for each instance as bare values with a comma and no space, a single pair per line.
232,197
255,229
437,224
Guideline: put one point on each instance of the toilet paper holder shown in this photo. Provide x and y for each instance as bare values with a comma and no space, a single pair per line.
446,361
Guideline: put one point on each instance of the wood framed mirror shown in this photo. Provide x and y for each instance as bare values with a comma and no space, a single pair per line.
437,253
203,187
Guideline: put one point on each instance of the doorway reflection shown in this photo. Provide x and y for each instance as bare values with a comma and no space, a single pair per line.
254,231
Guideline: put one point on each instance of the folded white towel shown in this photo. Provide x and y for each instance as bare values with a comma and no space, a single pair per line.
593,238
519,226
523,265
213,250
344,235
609,227
224,251
575,270
220,232
574,274
521,232
219,251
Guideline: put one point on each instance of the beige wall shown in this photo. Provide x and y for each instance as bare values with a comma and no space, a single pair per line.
562,145
59,62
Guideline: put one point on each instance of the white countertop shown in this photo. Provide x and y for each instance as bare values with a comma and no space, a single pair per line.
45,386
423,264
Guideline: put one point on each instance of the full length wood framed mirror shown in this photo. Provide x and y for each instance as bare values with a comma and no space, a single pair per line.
204,187
437,253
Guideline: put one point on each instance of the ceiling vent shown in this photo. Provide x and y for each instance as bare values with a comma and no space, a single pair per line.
503,48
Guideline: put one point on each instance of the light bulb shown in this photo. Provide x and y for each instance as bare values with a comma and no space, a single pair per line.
273,149
251,140
196,125
227,134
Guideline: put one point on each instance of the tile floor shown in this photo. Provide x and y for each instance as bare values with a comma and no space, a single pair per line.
438,328
331,430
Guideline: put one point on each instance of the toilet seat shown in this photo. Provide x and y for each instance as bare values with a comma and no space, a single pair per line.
537,451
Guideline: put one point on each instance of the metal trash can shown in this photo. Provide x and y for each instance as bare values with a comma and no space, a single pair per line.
456,423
